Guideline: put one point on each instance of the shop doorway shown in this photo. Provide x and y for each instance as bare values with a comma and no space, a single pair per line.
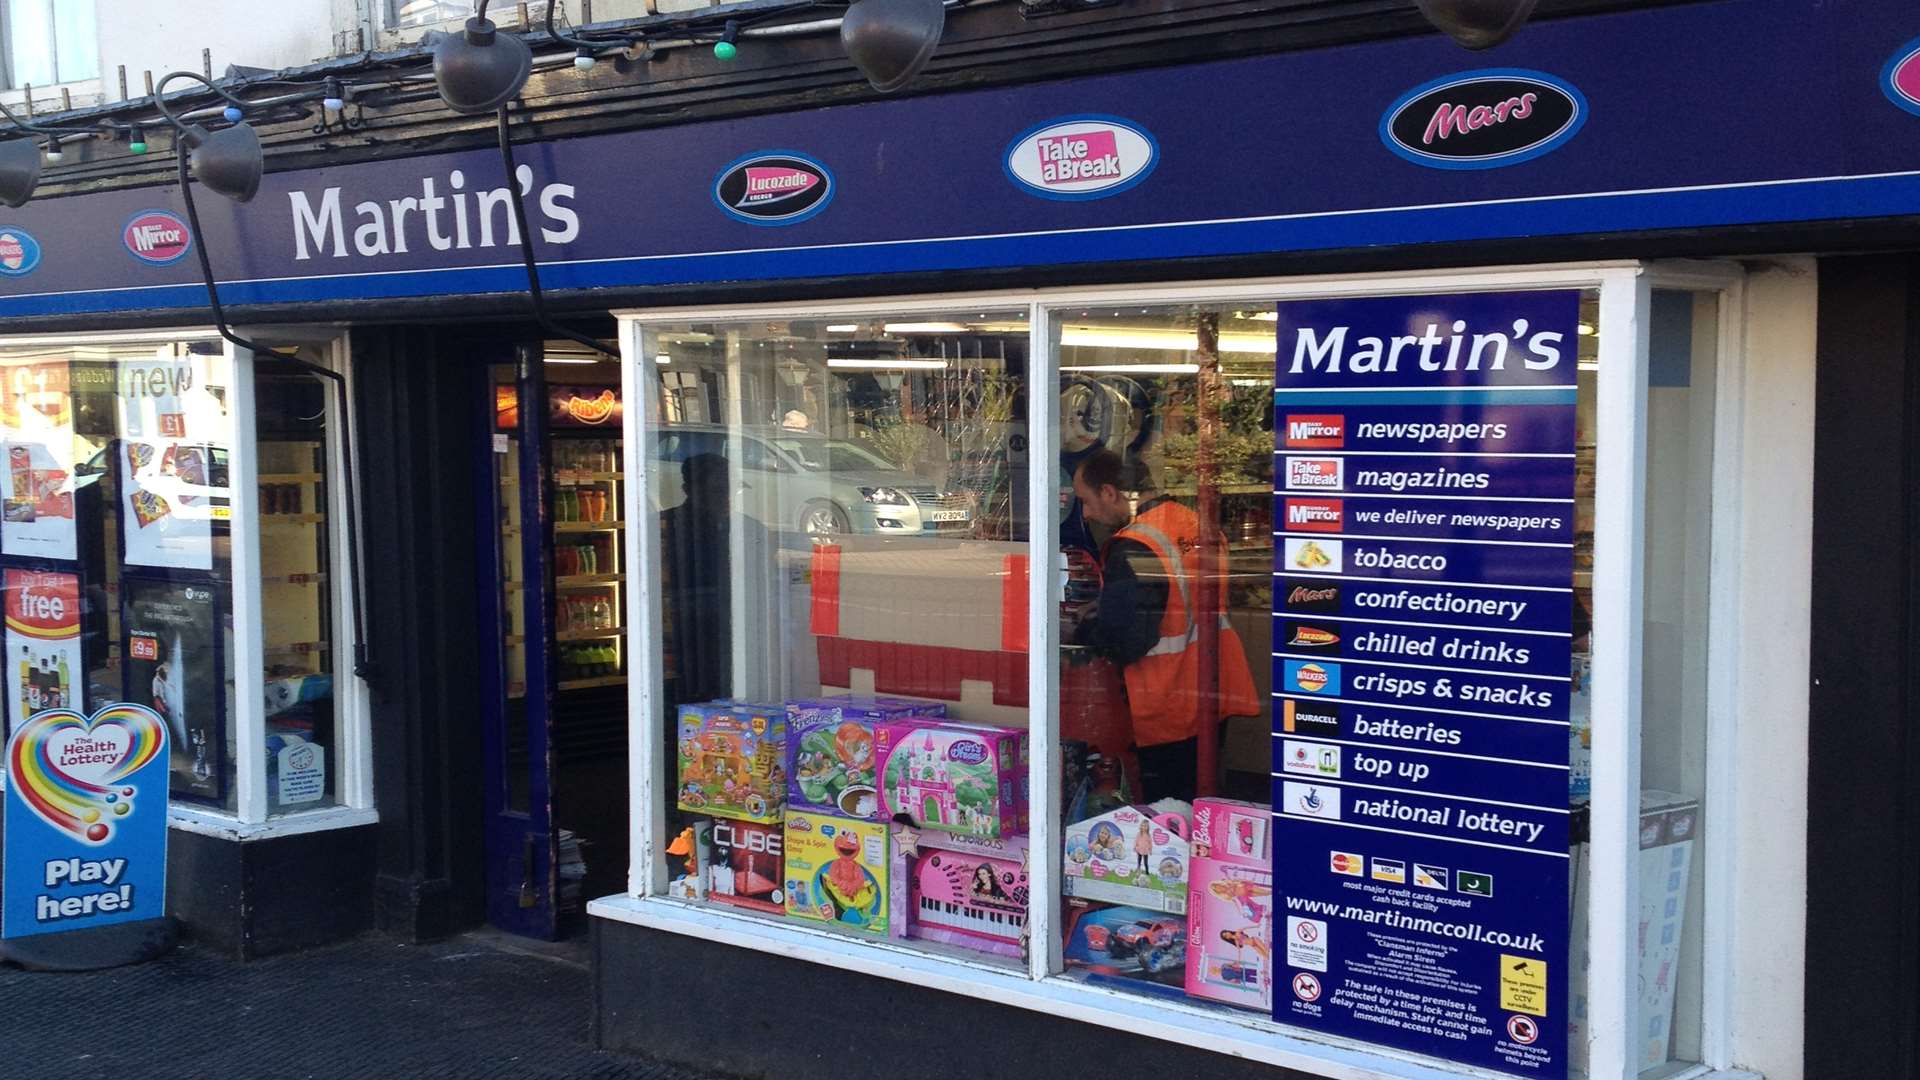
553,607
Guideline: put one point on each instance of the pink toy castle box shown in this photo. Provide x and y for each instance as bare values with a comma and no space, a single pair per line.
1230,905
956,778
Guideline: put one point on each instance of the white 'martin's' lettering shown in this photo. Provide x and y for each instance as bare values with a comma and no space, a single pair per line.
383,225
1315,350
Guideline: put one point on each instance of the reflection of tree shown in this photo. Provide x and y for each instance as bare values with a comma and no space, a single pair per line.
952,429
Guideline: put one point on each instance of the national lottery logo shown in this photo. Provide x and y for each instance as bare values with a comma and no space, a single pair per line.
71,771
1316,474
1310,800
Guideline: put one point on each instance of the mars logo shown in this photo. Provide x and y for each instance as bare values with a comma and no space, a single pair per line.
775,188
1315,515
1316,432
19,253
1483,119
1900,79
157,237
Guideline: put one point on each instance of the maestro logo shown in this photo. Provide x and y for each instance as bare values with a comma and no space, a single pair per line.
19,252
157,236
773,187
1900,79
1483,119
1081,157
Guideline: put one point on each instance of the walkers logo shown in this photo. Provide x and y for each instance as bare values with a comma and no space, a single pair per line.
1303,636
19,253
157,237
1900,79
1319,431
1483,119
773,188
1302,718
1316,473
1310,597
1081,157
1308,677
1315,515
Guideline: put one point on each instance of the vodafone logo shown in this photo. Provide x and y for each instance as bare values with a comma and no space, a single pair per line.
157,237
1315,515
1316,431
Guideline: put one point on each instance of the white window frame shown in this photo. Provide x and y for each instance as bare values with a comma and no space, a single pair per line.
250,820
1746,534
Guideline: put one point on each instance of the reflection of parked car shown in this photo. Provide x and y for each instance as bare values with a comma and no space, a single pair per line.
805,481
192,477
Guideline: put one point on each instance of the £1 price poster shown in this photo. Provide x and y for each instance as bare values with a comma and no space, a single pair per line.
1423,600
36,417
44,664
172,460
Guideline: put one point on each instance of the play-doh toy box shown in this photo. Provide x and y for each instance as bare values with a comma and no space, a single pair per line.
836,871
1230,905
1132,855
733,760
967,891
832,766
956,778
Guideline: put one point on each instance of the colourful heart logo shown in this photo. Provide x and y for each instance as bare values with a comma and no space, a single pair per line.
71,770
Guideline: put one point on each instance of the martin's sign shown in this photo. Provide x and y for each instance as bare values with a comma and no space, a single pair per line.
1483,119
436,215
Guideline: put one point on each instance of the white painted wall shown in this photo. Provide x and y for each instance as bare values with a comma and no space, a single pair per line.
168,35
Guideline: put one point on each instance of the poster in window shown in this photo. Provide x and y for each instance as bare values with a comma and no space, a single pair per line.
43,657
36,415
172,458
173,665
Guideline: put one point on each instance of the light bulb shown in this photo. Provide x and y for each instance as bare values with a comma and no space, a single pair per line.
725,50
137,142
233,114
55,155
336,98
583,60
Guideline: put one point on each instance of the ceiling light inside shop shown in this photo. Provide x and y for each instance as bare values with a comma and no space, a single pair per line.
928,328
571,360
861,363
1265,316
663,359
1586,329
1589,365
1138,369
844,328
1166,340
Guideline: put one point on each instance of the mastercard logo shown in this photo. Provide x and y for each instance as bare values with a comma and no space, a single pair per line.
1311,677
1344,863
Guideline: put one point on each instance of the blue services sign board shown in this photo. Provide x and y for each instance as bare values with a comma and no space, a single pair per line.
86,821
1422,647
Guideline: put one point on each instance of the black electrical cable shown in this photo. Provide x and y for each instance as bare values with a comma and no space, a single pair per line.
362,659
526,249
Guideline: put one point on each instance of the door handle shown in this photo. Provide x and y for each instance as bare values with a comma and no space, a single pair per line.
529,895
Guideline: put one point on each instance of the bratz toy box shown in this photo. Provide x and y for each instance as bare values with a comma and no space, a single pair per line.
836,871
1230,905
956,778
833,765
733,760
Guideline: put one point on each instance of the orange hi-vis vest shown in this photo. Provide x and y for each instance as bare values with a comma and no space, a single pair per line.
1163,687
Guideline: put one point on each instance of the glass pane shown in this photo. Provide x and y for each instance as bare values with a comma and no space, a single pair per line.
841,514
77,41
1683,357
30,37
116,544
298,579
426,12
512,577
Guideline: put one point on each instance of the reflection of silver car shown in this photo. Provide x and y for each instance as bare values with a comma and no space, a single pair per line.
806,481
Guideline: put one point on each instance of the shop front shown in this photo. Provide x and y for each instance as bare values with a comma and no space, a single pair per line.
1301,561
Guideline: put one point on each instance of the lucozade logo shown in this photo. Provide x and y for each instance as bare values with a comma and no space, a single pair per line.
773,188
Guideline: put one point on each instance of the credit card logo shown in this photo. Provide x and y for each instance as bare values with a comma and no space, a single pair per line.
1392,871
1347,864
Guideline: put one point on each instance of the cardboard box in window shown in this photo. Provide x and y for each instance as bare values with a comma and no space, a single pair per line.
733,760
837,871
1133,856
966,891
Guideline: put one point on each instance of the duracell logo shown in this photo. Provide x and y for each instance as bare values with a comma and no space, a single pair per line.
1483,119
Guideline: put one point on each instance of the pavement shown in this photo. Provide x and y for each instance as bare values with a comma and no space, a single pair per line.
472,1008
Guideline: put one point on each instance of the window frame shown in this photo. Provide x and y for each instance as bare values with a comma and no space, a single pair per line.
9,81
1625,289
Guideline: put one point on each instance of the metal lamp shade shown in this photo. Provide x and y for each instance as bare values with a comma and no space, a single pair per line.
1477,24
891,40
479,70
229,162
19,170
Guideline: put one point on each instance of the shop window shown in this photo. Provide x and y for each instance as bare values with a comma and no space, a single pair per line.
842,577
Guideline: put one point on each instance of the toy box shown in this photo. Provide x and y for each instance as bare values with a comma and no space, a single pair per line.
1141,949
831,767
1230,905
1132,855
968,891
744,865
687,857
836,870
956,778
733,760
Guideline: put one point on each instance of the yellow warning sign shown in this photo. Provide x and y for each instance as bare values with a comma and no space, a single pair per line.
1523,984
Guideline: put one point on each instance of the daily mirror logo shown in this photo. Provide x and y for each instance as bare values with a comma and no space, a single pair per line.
157,237
773,188
1900,79
19,252
1483,119
1081,157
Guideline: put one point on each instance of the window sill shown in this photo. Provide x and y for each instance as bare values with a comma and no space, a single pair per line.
222,826
1245,1036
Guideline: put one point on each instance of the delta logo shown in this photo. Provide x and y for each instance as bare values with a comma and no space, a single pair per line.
1316,431
1315,515
1316,474
1347,863
157,237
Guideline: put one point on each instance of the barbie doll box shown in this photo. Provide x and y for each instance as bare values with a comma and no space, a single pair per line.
1230,905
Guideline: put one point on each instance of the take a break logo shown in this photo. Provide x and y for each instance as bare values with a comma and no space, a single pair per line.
1900,78
157,237
1081,157
86,820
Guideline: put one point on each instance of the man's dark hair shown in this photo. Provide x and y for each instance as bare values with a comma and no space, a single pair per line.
697,466
1104,467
